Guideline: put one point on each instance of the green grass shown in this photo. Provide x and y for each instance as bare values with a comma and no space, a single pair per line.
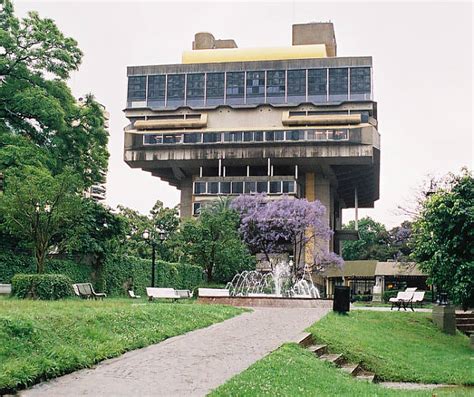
426,305
294,371
398,346
41,340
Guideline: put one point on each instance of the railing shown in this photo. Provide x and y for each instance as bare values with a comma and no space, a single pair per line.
193,138
245,185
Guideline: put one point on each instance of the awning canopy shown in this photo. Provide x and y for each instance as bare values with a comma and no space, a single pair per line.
372,268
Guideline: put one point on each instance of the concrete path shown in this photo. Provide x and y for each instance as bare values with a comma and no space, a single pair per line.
188,365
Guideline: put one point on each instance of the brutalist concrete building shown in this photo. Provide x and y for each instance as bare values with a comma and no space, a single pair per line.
297,120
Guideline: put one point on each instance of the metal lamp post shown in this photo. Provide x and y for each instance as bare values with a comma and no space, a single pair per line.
149,238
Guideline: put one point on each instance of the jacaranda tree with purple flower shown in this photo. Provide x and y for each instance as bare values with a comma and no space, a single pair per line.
271,226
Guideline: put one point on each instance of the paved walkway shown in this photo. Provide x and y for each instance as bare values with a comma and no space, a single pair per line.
188,365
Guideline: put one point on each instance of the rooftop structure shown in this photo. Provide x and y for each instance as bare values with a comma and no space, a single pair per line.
299,121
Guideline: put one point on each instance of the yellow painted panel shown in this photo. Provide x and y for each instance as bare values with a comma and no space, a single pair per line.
254,54
309,186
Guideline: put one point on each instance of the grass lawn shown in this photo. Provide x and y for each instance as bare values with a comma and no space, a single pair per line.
294,371
41,340
426,305
398,346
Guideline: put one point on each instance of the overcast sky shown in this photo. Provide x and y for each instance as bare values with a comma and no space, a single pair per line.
422,55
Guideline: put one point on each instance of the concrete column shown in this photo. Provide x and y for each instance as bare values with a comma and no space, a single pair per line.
186,200
319,188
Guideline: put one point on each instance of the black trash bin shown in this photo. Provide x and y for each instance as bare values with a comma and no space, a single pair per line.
342,297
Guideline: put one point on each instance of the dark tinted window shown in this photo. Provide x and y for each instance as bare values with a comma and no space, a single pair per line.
276,83
262,187
288,187
258,136
225,187
156,87
137,88
360,80
237,187
296,82
275,187
193,137
195,86
199,187
215,85
250,187
317,81
175,87
211,137
213,187
338,79
255,84
235,85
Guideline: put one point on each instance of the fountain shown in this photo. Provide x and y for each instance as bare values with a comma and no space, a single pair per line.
279,283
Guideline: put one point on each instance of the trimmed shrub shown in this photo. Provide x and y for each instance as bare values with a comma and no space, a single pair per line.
41,286
125,272
11,264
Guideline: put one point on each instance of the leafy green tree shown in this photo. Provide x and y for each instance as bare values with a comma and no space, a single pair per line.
443,235
39,208
160,218
373,242
212,241
36,102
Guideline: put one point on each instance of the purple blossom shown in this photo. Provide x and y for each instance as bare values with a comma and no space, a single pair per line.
269,226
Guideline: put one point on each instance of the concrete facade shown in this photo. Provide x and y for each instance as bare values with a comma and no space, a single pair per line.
303,127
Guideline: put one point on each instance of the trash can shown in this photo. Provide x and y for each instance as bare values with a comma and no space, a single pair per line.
341,301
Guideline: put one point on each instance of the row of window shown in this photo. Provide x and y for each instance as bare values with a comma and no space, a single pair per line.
252,87
247,187
245,136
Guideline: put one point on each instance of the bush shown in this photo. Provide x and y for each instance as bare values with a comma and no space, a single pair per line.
41,286
124,272
11,264
391,293
361,298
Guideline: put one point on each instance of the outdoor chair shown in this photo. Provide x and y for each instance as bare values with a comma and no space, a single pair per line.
402,300
132,295
86,291
417,298
411,289
76,290
184,293
162,293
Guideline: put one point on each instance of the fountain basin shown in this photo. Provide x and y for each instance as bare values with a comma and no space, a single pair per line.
266,301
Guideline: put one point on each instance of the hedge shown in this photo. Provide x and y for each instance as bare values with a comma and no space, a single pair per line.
41,286
11,264
118,274
124,272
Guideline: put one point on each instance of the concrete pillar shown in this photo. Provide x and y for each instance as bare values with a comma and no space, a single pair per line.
186,200
444,317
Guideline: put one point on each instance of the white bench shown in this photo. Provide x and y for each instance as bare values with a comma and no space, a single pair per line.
5,289
213,292
403,299
167,293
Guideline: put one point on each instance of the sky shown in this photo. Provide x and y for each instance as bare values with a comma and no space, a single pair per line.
423,65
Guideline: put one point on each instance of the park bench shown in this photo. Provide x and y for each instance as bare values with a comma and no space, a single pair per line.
132,295
213,292
167,293
403,299
86,291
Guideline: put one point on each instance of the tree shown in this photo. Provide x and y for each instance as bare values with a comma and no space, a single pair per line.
97,232
213,242
160,219
40,208
36,103
443,233
269,226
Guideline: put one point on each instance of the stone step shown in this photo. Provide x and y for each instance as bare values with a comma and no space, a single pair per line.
351,369
367,376
464,315
465,327
305,339
337,359
319,350
464,320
